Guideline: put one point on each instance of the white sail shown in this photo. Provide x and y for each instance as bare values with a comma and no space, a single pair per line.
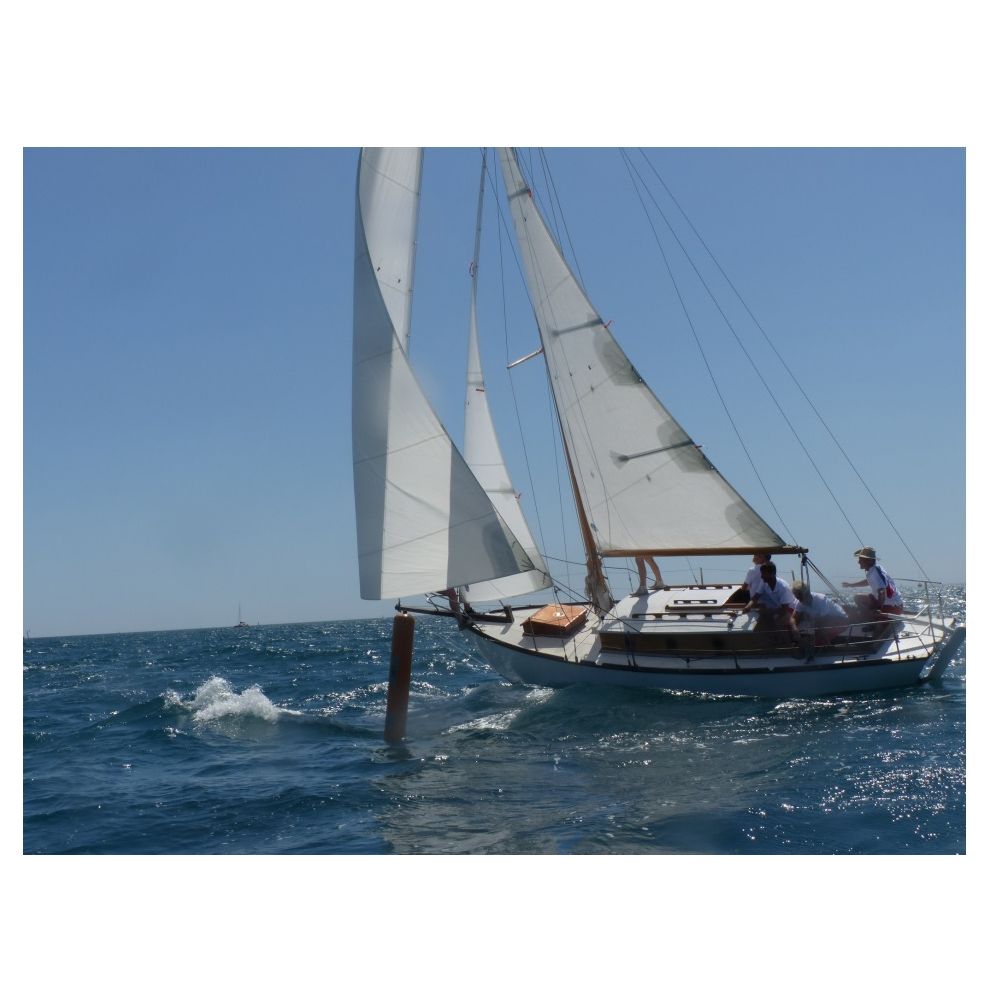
388,208
644,484
423,521
484,457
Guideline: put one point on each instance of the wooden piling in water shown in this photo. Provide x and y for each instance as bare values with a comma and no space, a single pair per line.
399,675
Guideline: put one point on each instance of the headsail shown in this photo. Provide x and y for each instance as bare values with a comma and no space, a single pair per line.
423,521
484,457
644,484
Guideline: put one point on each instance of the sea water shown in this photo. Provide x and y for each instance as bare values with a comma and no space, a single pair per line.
269,740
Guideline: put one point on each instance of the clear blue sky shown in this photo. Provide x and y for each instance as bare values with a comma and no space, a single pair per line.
187,318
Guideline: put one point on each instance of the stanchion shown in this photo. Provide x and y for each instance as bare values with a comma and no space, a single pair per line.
399,674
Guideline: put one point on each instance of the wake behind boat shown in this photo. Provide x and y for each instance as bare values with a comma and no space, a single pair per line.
434,520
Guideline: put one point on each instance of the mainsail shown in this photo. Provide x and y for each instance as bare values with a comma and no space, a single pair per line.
424,523
484,457
645,486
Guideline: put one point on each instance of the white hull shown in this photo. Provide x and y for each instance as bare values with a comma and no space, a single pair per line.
919,651
792,679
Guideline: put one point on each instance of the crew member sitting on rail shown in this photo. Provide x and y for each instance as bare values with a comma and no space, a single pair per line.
775,603
884,598
826,616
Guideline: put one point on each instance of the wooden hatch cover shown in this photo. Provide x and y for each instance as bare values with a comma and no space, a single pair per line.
556,620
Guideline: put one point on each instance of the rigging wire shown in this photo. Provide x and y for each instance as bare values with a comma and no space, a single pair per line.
575,490
742,347
718,392
610,510
550,200
831,586
551,204
748,356
785,366
512,385
553,196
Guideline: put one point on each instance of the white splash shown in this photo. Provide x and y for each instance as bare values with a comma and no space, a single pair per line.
539,694
499,721
216,699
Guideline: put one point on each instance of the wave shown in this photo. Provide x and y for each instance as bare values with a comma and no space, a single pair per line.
216,699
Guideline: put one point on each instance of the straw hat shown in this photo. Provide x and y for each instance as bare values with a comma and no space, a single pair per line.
867,552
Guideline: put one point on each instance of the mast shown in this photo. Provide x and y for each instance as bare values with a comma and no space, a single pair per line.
595,583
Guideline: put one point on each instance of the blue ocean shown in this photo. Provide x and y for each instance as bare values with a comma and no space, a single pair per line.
268,740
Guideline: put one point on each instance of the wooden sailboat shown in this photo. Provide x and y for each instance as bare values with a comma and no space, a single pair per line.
433,520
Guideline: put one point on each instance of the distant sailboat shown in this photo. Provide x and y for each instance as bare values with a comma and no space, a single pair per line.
241,623
431,520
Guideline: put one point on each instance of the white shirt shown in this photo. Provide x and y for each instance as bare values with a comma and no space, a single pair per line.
779,596
883,587
754,581
822,607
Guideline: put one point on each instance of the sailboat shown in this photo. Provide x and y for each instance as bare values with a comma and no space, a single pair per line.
434,520
241,623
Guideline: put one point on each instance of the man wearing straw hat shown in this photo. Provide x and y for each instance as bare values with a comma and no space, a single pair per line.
884,596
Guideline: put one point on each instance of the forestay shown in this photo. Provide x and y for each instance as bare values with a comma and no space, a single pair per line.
644,484
424,523
483,454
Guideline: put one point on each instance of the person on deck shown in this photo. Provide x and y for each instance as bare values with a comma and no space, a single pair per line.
641,563
754,581
775,604
884,598
827,617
